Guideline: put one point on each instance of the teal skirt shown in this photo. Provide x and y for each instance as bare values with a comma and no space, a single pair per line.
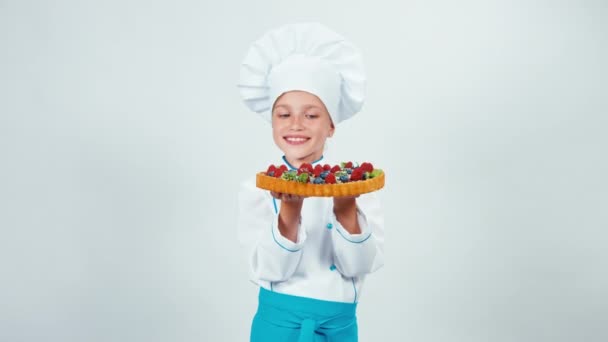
284,318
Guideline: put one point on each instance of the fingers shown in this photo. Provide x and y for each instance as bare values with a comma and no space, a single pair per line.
286,197
296,197
346,197
292,198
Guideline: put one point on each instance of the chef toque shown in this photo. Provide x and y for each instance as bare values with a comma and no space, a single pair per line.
308,57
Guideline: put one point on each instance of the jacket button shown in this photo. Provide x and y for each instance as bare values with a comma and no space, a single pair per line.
329,226
332,267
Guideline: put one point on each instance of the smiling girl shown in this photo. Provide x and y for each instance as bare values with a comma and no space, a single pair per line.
309,256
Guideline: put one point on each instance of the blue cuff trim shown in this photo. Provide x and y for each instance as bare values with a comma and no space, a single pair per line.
278,243
349,240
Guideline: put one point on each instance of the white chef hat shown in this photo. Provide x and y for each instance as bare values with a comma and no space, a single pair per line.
308,57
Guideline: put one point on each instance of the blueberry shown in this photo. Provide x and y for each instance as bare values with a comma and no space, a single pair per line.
324,174
349,171
319,180
271,173
344,179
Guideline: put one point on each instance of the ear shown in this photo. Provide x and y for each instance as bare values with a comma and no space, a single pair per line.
331,131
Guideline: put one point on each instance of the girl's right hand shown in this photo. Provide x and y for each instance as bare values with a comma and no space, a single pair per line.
290,214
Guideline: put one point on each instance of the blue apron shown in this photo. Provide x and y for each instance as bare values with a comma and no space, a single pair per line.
282,318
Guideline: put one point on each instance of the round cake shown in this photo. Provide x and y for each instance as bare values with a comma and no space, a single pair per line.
346,179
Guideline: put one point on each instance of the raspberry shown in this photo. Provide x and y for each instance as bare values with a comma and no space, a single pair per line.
349,165
326,167
283,167
336,168
279,172
330,179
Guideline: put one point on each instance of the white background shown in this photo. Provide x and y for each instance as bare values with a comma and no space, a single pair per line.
123,141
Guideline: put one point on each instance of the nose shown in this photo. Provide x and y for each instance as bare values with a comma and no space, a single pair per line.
296,123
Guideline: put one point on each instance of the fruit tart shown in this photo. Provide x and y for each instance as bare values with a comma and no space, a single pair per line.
346,179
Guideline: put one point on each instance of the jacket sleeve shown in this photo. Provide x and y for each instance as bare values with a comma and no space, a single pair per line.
359,254
271,256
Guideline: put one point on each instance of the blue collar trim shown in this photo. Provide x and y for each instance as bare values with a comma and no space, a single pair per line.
293,168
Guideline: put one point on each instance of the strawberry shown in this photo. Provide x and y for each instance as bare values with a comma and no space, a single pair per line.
334,169
357,174
330,179
317,170
367,167
306,167
278,171
326,167
271,168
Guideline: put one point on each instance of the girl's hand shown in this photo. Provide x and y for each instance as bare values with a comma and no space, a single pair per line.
345,202
345,209
289,214
288,198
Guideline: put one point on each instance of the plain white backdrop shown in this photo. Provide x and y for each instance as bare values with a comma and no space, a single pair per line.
123,141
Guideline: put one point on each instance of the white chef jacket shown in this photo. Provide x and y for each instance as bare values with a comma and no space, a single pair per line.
326,262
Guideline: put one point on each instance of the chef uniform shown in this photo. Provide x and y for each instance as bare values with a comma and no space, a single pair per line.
309,289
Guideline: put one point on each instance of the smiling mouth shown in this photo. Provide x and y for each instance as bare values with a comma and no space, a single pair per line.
296,141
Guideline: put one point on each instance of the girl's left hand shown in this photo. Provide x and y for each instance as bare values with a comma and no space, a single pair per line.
341,203
345,209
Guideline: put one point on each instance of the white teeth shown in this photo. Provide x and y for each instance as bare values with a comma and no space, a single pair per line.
296,139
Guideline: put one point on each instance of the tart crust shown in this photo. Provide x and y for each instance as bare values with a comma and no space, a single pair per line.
319,190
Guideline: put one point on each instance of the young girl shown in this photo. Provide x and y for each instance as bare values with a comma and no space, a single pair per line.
309,256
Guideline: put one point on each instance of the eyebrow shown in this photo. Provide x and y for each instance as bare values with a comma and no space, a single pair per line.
311,106
282,105
308,106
